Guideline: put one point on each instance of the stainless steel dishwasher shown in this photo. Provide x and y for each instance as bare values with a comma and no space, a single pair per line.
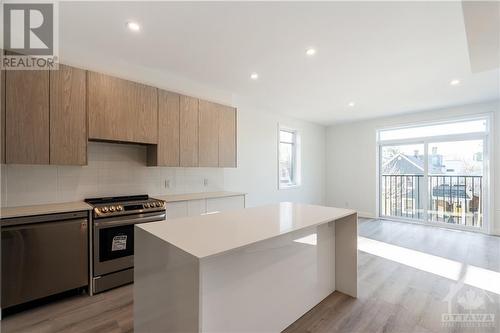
43,255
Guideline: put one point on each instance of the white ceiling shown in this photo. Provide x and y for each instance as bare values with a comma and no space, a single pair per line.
387,57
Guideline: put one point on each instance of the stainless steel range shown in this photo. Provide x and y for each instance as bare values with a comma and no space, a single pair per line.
113,236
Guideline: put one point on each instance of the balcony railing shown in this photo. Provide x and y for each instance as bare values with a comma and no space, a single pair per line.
451,199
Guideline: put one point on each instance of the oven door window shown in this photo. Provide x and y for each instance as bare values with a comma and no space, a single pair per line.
116,242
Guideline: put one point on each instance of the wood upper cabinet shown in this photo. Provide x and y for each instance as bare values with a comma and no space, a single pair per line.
121,110
188,131
227,137
68,123
48,116
166,153
208,155
27,117
2,115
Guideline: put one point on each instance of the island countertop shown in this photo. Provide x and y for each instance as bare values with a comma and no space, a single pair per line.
211,234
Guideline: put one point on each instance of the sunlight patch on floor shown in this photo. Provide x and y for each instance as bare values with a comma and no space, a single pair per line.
483,278
426,262
471,275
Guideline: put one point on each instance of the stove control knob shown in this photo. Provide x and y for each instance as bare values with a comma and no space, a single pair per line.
104,209
146,205
119,208
158,204
112,208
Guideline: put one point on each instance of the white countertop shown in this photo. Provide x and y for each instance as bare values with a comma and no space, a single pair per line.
211,234
196,196
63,207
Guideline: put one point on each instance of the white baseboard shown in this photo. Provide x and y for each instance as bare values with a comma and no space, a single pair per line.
367,215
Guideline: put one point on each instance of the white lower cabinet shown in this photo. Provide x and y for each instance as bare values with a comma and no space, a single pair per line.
196,207
179,209
222,204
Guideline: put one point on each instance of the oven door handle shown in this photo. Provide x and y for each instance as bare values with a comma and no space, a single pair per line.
109,224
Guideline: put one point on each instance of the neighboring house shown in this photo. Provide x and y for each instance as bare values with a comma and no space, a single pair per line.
403,181
451,197
402,164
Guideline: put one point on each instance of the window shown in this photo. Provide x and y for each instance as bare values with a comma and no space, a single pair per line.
436,173
288,158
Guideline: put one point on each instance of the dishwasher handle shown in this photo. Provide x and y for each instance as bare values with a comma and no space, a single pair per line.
43,218
83,225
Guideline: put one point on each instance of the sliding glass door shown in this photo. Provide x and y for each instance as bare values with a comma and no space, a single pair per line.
455,182
402,181
435,174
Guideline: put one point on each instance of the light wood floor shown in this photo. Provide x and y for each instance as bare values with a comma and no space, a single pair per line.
393,296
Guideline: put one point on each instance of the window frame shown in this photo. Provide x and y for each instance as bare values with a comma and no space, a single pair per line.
488,172
444,137
296,170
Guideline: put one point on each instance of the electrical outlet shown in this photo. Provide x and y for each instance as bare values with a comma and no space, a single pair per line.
167,183
205,182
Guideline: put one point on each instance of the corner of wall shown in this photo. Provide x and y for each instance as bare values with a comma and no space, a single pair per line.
495,230
367,215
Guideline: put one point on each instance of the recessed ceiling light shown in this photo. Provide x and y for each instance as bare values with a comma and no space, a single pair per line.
455,82
133,26
254,76
311,52
351,104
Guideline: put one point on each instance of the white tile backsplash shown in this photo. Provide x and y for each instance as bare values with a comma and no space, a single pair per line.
113,169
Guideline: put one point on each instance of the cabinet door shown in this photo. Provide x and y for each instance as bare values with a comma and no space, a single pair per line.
227,137
2,115
227,203
208,134
121,110
68,123
177,209
27,116
167,150
188,131
196,207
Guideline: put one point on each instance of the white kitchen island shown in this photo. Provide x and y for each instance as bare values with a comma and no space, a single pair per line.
247,270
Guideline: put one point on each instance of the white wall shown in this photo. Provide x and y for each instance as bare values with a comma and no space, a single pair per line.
351,157
257,171
119,169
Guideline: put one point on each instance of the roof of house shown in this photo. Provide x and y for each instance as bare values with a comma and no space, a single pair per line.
402,164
